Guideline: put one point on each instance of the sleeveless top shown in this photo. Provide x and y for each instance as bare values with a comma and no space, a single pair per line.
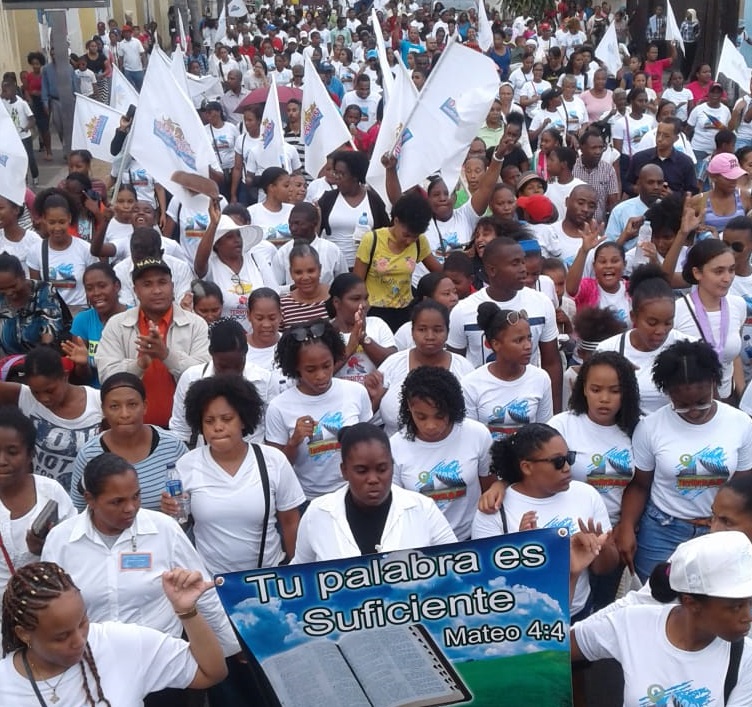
719,222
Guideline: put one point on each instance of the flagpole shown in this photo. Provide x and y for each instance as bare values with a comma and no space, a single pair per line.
425,85
121,168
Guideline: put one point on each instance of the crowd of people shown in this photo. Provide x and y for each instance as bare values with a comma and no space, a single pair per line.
561,339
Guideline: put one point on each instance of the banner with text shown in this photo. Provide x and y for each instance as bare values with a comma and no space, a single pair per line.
455,624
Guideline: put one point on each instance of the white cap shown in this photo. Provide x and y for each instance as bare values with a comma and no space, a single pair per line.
714,565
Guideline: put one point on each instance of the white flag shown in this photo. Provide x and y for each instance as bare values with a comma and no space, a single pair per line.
733,65
237,8
221,26
323,127
183,38
94,126
13,161
168,136
397,110
177,68
203,88
122,93
673,34
272,137
608,50
453,105
386,72
485,33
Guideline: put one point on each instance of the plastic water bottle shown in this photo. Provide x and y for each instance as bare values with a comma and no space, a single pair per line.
644,235
175,489
362,228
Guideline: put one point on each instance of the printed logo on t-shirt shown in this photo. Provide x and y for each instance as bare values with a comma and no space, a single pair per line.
62,276
280,231
507,419
612,469
640,133
323,444
712,123
354,370
565,522
681,695
443,483
196,225
702,470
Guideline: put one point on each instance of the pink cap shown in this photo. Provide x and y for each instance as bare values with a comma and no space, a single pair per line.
726,165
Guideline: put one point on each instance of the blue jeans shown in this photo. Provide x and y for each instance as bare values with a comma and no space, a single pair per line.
135,77
658,536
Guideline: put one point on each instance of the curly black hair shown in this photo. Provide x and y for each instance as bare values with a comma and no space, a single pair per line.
629,412
507,453
239,392
288,347
55,198
433,385
686,362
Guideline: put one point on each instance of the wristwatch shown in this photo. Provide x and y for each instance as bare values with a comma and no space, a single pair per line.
367,340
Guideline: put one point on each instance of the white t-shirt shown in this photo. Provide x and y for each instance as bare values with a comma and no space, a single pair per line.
464,332
333,262
505,406
59,439
447,235
318,459
182,276
21,114
743,130
737,309
274,223
367,105
679,676
135,175
557,120
223,143
447,471
691,461
531,89
86,81
65,269
576,113
706,122
562,510
236,286
30,241
518,78
555,243
359,365
651,399
229,510
631,132
130,51
680,99
343,220
395,370
282,78
132,661
604,456
14,531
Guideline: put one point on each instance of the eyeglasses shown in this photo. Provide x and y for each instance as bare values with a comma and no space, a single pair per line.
699,408
513,317
559,460
304,333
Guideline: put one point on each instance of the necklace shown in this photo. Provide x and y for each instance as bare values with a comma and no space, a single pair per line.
28,668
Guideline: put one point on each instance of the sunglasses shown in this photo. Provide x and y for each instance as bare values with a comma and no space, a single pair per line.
559,460
699,408
305,333
514,317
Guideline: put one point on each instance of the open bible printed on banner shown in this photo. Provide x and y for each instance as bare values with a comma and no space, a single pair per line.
456,624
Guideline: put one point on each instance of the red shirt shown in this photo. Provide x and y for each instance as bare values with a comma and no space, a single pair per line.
157,379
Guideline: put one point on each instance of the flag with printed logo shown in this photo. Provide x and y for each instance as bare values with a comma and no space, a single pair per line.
322,125
733,65
608,50
271,151
168,136
673,33
94,126
453,105
485,33
236,8
397,109
13,161
122,93
386,72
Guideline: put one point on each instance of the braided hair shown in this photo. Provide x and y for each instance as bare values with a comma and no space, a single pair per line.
29,591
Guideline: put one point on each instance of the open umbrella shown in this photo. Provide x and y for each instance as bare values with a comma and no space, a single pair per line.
259,95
